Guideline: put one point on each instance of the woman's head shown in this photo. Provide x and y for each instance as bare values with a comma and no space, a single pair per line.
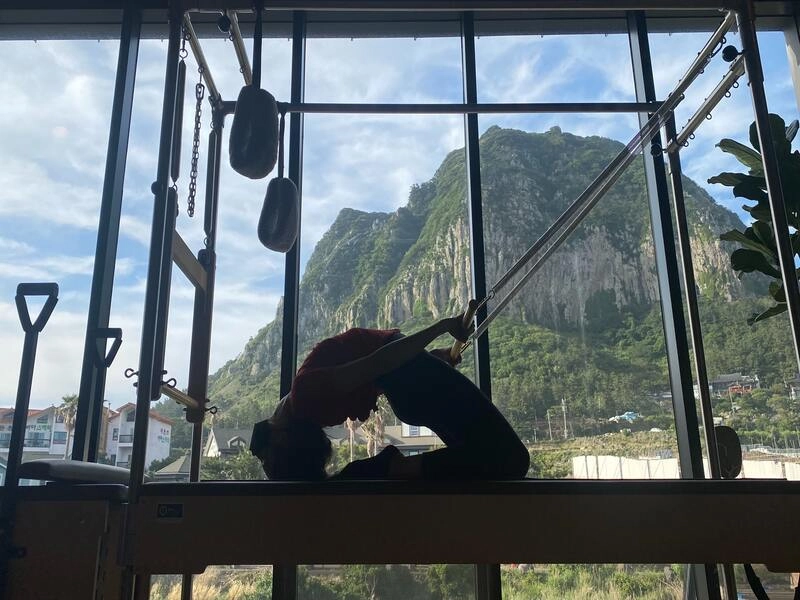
297,450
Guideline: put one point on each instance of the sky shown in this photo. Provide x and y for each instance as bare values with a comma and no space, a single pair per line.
52,157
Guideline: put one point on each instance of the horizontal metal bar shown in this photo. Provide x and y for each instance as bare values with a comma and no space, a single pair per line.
462,109
238,46
188,264
372,6
723,87
180,397
197,51
475,522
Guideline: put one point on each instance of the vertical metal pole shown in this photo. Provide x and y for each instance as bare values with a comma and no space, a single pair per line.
284,577
752,61
474,197
163,228
291,287
689,285
668,272
487,577
695,327
93,372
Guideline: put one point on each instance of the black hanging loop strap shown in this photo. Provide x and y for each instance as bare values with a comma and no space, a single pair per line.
35,289
257,35
281,129
755,583
103,359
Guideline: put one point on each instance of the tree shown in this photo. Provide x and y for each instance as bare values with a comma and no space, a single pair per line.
239,466
67,411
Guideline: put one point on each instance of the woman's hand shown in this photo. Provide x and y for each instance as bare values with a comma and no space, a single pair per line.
455,325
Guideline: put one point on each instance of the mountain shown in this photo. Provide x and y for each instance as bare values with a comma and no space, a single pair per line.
411,266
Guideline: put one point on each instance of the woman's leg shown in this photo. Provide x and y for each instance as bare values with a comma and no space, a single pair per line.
480,442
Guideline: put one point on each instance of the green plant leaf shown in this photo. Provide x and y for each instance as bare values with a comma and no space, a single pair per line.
763,232
777,128
770,312
748,261
791,130
728,179
747,156
760,212
777,292
751,188
749,242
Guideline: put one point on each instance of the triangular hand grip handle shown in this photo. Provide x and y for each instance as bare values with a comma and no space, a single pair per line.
35,289
107,333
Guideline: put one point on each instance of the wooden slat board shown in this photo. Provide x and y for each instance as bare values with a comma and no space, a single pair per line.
185,527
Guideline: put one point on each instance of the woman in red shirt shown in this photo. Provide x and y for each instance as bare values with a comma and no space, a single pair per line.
343,377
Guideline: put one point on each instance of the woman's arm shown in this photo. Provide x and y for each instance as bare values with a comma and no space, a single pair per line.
354,374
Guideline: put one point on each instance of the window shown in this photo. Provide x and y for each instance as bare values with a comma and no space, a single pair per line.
59,418
115,434
130,417
60,437
43,418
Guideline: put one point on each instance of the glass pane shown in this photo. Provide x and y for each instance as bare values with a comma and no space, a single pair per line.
384,70
750,367
554,68
239,582
55,134
578,363
605,582
388,582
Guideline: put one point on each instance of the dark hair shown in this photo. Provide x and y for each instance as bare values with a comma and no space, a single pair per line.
297,451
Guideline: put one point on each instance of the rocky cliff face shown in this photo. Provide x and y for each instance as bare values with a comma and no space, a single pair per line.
413,265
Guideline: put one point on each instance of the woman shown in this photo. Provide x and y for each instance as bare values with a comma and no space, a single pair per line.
343,377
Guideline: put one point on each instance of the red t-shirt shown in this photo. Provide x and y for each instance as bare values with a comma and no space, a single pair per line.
311,397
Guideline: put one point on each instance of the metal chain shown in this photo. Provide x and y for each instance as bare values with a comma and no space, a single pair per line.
199,92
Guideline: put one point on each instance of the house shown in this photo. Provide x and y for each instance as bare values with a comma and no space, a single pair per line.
177,471
734,383
225,442
45,434
119,436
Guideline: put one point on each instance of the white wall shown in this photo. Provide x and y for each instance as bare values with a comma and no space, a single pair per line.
618,467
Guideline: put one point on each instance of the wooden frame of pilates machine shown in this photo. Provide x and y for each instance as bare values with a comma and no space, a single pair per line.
187,527
182,528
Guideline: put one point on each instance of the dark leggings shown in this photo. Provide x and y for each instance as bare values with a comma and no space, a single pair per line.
480,444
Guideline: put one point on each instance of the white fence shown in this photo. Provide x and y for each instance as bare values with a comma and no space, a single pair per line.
619,467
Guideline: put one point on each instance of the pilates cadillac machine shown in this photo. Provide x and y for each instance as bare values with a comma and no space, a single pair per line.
134,529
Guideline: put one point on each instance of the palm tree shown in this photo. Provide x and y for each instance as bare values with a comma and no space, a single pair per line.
67,410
